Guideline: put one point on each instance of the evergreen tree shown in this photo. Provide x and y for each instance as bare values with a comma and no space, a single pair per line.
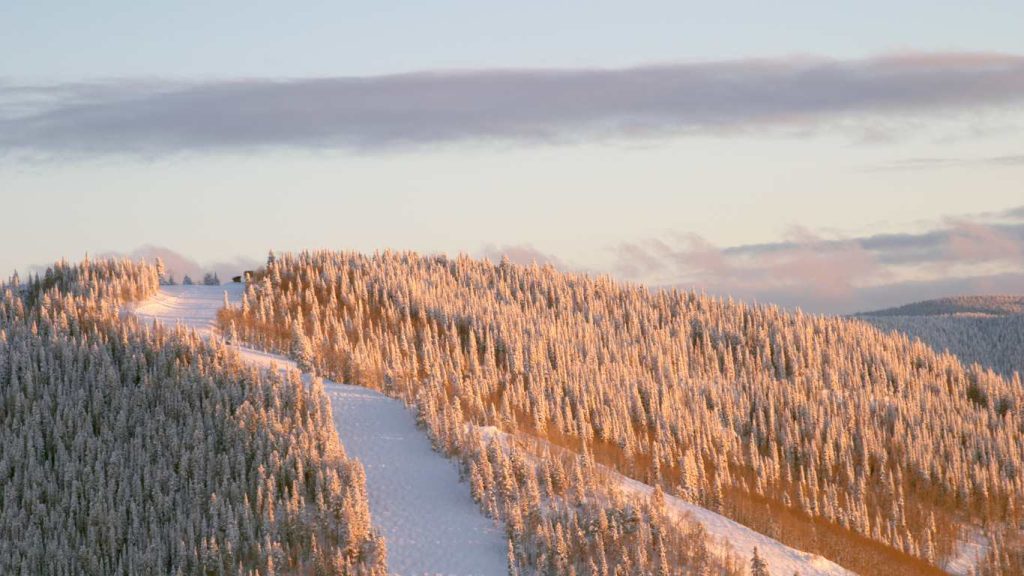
758,567
302,351
133,450
161,271
740,406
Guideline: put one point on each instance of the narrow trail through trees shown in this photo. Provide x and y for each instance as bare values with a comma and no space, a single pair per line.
430,522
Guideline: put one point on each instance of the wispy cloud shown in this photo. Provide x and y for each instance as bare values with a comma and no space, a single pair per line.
908,164
418,109
181,265
841,274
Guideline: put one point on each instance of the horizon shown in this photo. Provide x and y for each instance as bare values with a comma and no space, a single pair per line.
583,287
833,159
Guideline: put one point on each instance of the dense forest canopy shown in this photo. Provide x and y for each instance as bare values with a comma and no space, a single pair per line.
130,448
137,450
984,330
826,433
997,305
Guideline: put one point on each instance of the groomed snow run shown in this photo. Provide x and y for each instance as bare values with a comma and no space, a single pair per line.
431,523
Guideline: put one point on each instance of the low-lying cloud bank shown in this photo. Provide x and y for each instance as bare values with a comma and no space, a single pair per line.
978,254
972,255
981,255
522,254
418,109
179,265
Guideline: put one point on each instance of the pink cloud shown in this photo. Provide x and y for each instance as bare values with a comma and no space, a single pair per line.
977,243
524,254
830,274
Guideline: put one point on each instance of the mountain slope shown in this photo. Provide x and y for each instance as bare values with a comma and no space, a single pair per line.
797,426
984,330
429,520
725,536
997,305
126,450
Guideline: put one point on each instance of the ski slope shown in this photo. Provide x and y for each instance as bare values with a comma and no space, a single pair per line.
431,523
724,535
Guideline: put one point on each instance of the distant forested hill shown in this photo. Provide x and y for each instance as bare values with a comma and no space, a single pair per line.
987,330
1001,305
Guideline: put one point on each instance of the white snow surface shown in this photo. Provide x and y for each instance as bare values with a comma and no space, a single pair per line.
969,553
428,517
725,535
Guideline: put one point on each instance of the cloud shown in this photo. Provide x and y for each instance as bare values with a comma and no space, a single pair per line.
888,295
841,274
974,242
175,263
523,254
910,164
181,265
429,108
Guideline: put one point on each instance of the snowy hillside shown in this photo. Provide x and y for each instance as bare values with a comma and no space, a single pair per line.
998,305
430,522
986,330
725,535
781,559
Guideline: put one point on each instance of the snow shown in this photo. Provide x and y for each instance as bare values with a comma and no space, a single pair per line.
193,307
781,559
969,553
429,519
725,535
431,523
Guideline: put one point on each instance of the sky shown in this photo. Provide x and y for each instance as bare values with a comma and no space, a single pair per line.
833,156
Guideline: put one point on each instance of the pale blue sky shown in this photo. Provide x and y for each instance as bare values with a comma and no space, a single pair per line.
188,38
905,153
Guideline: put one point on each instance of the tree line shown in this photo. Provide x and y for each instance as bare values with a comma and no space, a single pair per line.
128,449
825,433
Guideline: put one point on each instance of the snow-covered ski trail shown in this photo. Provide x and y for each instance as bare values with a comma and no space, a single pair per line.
431,523
725,536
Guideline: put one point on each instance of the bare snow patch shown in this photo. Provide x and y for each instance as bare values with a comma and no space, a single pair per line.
429,519
968,554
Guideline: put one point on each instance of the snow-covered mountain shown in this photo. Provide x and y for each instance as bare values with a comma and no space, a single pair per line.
735,408
430,522
995,305
417,500
986,330
504,419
